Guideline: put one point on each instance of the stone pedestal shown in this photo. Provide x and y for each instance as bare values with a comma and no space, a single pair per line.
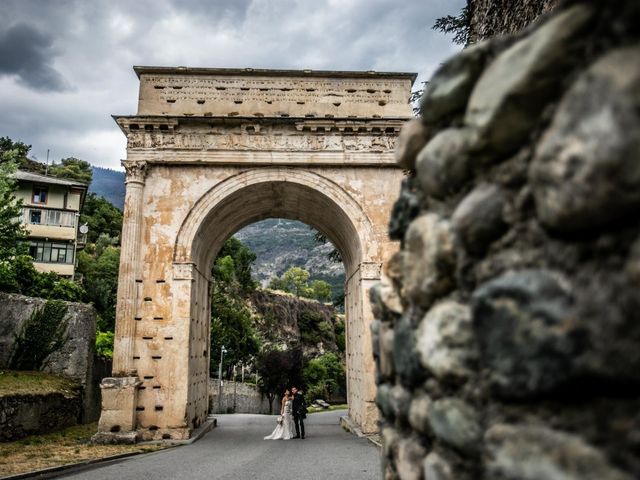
119,399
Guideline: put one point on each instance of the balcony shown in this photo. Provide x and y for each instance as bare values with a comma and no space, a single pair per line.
50,223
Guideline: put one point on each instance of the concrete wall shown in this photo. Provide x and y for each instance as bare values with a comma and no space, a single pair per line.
247,398
75,360
508,335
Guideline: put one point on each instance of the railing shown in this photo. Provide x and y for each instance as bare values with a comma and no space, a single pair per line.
49,217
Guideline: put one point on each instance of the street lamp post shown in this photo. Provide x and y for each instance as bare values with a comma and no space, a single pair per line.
222,352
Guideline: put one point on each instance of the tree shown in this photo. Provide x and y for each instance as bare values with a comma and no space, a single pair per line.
459,26
279,370
321,290
325,376
231,320
72,168
99,266
334,254
296,279
241,260
12,231
101,217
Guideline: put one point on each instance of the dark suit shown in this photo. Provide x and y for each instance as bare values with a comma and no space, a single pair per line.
299,409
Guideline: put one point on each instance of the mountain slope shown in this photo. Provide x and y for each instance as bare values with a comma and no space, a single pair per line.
108,184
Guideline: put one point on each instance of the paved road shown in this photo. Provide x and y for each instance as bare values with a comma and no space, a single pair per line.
235,450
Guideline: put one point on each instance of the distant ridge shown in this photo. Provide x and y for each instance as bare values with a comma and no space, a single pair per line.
109,184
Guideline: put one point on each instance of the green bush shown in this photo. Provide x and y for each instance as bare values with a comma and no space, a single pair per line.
104,344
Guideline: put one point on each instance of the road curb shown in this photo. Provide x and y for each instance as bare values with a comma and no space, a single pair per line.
349,426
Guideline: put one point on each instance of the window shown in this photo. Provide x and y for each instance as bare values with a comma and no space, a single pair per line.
39,195
49,252
36,216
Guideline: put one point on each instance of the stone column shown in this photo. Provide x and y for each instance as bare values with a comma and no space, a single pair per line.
120,393
124,340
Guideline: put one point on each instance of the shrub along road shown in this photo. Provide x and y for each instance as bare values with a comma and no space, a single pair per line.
235,450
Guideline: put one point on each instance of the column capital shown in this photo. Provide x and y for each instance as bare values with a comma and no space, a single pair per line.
136,171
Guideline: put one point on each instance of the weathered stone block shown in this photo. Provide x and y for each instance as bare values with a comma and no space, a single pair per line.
539,453
119,402
586,173
405,358
429,260
445,341
449,88
513,90
437,468
443,165
527,332
419,413
409,461
413,136
478,219
405,209
456,423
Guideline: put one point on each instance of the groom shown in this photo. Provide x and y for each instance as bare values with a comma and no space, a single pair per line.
299,412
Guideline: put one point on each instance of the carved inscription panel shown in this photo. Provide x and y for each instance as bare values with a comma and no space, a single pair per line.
295,96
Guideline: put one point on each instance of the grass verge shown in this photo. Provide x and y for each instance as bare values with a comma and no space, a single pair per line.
33,383
67,446
342,406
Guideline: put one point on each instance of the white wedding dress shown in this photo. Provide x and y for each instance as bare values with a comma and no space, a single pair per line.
287,429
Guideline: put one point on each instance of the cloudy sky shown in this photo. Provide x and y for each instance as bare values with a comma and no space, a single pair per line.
65,65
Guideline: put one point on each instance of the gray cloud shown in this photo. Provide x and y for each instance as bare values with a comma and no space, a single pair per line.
94,43
28,53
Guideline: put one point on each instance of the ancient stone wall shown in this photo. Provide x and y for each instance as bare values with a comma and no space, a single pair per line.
500,17
23,415
75,359
507,339
238,397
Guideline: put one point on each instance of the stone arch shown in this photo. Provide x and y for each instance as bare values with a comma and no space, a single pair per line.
294,194
201,165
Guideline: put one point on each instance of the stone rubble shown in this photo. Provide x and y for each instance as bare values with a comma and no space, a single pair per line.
507,331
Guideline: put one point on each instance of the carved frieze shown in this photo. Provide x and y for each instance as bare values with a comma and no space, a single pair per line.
262,141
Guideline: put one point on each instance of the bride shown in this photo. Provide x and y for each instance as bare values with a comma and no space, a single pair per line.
285,429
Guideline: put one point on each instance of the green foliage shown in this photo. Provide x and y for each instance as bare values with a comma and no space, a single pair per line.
459,26
321,290
17,152
104,344
326,377
334,254
41,335
101,217
99,264
73,169
231,321
20,276
279,370
12,232
237,268
296,279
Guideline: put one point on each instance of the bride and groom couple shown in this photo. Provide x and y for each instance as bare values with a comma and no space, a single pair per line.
293,411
